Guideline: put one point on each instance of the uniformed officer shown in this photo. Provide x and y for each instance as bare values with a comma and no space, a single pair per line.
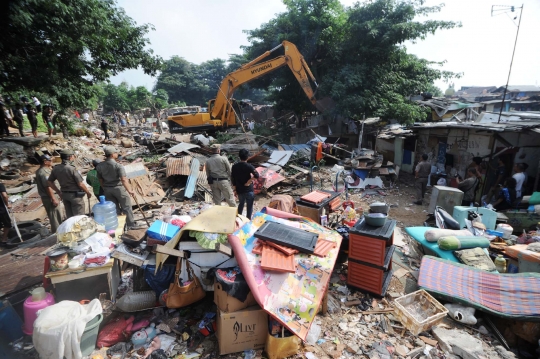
49,199
218,173
71,184
116,187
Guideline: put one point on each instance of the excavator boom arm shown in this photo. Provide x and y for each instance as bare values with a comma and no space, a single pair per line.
255,69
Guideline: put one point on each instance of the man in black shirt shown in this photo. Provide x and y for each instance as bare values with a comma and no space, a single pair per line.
241,181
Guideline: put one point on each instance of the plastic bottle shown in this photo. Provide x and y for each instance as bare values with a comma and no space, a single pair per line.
500,264
105,213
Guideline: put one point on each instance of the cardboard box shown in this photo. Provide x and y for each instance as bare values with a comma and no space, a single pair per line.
227,303
162,231
242,330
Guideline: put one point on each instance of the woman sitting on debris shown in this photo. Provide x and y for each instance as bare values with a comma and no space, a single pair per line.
507,195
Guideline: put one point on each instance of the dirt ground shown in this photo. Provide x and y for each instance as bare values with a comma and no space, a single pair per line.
400,198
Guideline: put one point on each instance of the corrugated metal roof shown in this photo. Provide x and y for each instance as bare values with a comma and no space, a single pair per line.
179,166
519,88
30,202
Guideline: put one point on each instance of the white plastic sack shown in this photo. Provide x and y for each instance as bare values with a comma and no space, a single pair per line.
202,140
75,229
433,235
58,329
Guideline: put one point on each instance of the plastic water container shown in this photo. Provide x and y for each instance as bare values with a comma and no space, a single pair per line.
10,323
31,307
105,213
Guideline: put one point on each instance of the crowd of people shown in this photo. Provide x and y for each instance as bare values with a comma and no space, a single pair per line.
63,183
504,193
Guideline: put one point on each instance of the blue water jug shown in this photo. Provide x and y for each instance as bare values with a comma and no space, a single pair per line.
10,322
105,214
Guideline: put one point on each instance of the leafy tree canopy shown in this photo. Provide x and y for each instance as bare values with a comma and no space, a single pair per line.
197,84
357,55
128,98
62,47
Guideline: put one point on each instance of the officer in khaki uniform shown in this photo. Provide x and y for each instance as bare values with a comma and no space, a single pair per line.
71,184
48,198
116,187
218,172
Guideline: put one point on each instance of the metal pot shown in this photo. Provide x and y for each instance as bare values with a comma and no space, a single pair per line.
379,207
375,219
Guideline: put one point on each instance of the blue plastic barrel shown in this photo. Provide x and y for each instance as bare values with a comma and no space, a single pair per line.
10,322
105,213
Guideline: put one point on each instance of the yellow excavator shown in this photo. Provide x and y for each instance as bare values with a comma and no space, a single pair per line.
223,110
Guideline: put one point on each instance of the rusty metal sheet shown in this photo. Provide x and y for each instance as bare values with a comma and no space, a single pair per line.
30,202
23,267
179,166
274,260
202,180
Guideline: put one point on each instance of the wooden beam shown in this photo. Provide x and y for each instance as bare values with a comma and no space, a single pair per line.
303,170
222,248
169,251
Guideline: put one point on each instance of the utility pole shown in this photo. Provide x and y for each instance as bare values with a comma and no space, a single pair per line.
504,10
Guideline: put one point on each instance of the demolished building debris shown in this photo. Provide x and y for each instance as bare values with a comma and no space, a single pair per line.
368,260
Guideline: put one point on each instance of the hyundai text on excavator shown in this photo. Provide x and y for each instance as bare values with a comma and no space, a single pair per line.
223,110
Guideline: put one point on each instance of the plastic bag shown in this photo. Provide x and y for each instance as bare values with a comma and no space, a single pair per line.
116,331
280,348
75,229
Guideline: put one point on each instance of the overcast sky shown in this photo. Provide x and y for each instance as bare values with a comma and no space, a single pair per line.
201,30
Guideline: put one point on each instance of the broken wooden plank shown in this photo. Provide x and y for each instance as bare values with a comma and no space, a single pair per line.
159,248
298,168
353,302
222,248
379,311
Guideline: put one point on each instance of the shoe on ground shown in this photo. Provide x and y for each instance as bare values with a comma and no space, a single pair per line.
418,202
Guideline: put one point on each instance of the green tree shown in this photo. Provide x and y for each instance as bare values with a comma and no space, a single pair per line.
433,90
357,55
116,98
63,47
256,95
182,82
316,28
211,73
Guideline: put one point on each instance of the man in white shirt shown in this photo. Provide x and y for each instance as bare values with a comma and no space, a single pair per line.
519,176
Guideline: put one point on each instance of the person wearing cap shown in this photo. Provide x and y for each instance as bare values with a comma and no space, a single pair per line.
47,193
93,180
71,184
218,173
116,187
